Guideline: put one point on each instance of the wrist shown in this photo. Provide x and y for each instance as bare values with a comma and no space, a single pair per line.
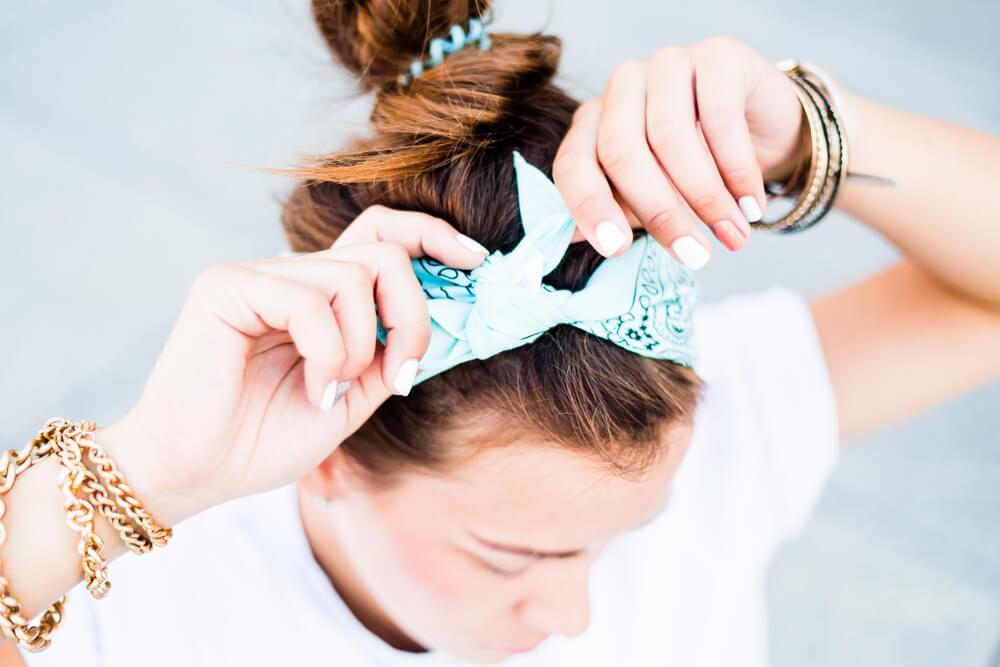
123,446
797,150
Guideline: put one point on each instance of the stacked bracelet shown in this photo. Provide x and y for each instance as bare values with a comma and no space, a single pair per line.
84,493
829,134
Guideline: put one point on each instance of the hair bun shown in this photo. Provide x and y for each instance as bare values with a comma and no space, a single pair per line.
376,40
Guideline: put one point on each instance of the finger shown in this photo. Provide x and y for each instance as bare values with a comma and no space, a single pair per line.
401,306
584,186
633,222
255,302
721,92
351,287
398,298
421,234
672,133
625,154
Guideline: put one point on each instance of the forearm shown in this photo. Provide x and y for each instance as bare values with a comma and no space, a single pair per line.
942,213
40,557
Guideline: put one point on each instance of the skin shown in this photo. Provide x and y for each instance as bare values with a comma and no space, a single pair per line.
246,365
421,564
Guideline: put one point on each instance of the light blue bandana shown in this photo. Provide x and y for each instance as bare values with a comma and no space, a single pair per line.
642,300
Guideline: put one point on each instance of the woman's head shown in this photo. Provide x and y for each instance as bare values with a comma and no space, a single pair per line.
564,441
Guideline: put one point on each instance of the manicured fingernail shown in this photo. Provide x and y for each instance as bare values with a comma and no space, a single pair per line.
471,244
729,233
744,227
609,237
405,376
692,253
333,392
750,208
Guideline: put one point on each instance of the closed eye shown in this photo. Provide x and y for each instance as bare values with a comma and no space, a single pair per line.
504,572
496,569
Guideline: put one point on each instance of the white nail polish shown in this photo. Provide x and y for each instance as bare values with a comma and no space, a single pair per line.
609,237
692,253
471,244
750,208
405,376
333,392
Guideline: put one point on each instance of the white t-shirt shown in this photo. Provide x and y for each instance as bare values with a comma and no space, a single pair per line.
238,585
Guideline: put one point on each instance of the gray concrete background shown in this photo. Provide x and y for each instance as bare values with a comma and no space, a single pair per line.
129,134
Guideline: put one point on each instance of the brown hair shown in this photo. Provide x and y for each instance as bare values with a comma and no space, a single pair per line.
443,145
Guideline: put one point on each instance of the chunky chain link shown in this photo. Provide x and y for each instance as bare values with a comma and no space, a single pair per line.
83,493
79,509
12,621
106,468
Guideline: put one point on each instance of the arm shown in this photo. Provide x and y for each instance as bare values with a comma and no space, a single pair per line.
40,558
928,328
263,329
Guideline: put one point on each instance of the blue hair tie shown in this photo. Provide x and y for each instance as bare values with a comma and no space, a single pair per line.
440,47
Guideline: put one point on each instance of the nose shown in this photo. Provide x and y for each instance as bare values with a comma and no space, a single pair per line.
559,601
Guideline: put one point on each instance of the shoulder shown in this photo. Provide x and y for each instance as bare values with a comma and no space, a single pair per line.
766,434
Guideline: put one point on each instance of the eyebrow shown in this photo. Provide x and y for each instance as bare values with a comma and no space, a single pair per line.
539,554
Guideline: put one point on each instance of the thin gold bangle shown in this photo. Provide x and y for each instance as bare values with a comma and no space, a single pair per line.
819,158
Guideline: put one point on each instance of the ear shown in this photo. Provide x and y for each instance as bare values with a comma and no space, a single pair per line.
331,479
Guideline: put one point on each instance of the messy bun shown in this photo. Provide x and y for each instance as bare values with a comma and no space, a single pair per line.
442,144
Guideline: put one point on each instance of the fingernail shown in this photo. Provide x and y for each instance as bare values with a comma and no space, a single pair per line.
692,253
333,392
405,376
471,244
728,231
744,227
609,237
750,208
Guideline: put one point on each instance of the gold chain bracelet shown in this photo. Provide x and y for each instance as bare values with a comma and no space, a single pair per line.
79,509
12,622
84,492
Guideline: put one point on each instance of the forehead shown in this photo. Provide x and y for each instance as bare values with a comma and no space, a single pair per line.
544,495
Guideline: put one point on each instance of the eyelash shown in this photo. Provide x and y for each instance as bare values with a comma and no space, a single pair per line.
510,574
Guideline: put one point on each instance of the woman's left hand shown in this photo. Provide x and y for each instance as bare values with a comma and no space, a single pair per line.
689,133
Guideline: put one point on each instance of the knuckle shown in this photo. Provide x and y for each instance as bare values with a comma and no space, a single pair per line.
369,214
721,43
212,275
566,162
719,116
395,252
706,202
614,151
626,69
585,108
314,300
661,221
583,206
737,173
356,275
662,127
669,52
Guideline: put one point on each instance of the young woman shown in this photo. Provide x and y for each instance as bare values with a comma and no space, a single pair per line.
563,502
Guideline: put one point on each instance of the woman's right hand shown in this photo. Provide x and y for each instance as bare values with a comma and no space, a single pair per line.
233,405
